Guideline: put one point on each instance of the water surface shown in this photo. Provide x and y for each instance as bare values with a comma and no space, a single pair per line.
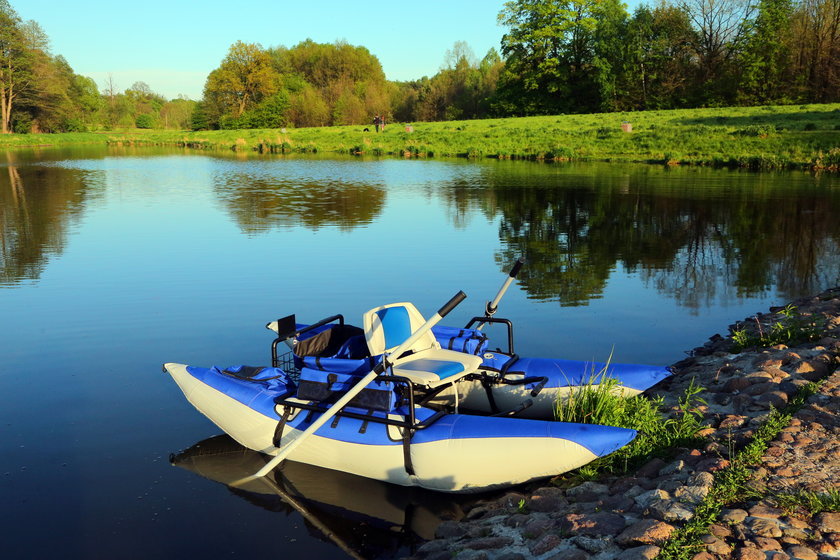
115,261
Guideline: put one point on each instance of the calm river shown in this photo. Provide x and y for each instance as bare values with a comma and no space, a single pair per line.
114,261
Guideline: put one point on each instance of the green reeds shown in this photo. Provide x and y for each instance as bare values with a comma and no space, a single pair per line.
602,401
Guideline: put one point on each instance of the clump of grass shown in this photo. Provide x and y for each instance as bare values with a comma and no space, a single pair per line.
791,328
757,130
602,402
811,502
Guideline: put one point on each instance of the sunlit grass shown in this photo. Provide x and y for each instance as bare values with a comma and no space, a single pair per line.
779,137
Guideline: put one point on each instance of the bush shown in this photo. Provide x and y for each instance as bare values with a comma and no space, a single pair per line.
144,121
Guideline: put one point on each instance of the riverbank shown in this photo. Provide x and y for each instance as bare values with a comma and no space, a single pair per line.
805,137
764,484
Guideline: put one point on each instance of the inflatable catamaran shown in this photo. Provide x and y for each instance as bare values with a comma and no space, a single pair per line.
359,414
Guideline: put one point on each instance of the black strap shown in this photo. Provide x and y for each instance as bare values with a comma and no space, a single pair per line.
409,468
487,384
278,431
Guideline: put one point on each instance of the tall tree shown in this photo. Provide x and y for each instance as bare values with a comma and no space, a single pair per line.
15,63
549,54
722,27
244,78
767,57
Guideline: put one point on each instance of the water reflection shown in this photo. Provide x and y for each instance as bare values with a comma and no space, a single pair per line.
697,236
262,201
37,207
365,518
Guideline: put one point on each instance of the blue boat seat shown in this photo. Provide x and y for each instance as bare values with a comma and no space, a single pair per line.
425,363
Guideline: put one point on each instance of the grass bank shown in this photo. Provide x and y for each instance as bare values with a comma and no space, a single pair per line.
770,137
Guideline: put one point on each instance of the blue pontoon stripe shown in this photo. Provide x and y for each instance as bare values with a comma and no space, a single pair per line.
259,396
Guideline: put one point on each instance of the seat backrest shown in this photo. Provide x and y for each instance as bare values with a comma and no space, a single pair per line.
388,326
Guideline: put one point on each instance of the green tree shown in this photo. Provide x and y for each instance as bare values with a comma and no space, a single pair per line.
549,54
244,78
766,59
15,64
661,57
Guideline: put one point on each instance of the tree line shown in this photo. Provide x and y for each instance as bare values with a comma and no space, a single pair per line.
556,56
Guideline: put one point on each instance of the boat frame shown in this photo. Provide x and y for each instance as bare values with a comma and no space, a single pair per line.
287,329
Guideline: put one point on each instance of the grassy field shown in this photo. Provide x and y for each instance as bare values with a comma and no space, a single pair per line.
771,137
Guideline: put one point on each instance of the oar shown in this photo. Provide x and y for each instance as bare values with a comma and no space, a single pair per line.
342,402
492,306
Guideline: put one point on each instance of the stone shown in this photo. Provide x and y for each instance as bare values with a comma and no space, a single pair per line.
588,491
828,522
593,524
488,543
546,543
777,556
546,503
701,478
748,554
716,545
470,554
511,500
450,529
570,554
537,526
764,543
650,468
646,531
765,511
511,556
691,494
765,527
733,515
775,399
592,545
648,552
798,552
720,531
517,520
761,388
645,499
703,556
672,468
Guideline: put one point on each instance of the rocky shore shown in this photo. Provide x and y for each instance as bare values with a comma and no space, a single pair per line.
633,517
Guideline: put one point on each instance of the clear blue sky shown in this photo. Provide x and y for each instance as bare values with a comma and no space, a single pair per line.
172,45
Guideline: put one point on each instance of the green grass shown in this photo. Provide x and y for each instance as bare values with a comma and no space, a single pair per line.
809,502
772,137
791,328
658,436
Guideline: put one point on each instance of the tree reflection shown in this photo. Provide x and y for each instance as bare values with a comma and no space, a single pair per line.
697,236
258,204
36,207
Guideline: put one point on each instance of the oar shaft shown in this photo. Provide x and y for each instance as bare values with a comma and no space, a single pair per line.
348,396
492,306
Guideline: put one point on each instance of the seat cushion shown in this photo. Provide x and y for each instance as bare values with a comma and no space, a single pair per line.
435,366
441,369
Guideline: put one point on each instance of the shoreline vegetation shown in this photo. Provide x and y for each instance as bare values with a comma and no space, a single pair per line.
780,137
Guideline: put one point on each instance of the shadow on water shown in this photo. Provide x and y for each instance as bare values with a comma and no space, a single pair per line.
364,518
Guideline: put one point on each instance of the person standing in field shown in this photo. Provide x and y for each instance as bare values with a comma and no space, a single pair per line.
376,122
382,122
